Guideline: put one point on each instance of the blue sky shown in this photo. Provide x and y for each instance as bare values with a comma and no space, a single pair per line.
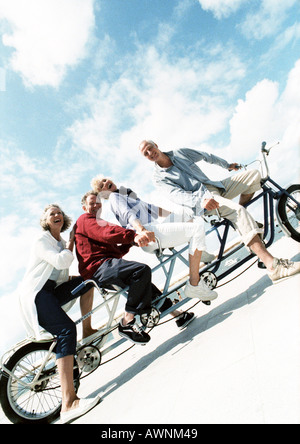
82,82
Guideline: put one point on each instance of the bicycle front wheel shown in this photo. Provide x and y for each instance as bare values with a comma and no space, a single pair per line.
289,211
23,401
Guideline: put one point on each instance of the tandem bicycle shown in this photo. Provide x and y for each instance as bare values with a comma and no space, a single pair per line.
29,383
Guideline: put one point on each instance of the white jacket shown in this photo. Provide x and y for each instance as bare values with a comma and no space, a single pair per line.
45,256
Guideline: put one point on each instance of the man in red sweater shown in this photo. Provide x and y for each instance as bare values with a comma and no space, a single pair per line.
100,247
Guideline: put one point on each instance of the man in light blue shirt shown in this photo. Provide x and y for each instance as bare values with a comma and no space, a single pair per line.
183,182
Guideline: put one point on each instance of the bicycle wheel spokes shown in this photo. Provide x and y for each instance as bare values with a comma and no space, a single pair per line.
34,391
293,211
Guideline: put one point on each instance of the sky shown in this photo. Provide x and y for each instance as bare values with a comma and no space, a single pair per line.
82,82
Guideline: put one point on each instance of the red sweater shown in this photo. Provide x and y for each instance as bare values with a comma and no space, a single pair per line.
97,240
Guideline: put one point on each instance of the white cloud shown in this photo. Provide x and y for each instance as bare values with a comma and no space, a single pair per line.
289,37
47,37
252,116
264,21
180,100
267,20
16,237
11,325
265,114
27,185
221,8
287,41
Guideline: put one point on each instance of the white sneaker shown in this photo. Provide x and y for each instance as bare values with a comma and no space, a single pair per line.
85,404
200,291
283,269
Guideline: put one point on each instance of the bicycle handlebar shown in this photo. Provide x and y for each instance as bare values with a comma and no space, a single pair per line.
78,288
265,150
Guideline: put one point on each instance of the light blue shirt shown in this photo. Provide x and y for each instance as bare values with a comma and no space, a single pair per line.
127,207
184,182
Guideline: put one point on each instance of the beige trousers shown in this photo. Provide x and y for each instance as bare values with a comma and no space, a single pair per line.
247,182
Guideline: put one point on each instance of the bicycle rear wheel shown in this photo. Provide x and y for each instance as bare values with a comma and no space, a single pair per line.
22,402
289,211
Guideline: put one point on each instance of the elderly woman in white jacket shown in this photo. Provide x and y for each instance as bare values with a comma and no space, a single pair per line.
46,287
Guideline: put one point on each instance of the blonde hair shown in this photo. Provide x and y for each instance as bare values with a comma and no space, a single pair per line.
43,219
95,183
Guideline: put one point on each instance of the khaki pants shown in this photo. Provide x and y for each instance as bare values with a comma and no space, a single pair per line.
247,182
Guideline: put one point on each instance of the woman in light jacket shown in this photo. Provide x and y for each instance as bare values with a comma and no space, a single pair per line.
46,287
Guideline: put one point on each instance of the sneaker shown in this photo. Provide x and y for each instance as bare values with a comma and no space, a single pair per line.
184,320
283,269
84,406
207,258
200,291
134,333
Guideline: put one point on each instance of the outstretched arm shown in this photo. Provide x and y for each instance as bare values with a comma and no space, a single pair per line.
143,235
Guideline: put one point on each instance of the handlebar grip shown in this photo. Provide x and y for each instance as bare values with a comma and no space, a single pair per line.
78,288
264,149
238,166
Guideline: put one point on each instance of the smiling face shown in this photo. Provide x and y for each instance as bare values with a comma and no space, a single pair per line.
92,205
103,186
150,150
54,218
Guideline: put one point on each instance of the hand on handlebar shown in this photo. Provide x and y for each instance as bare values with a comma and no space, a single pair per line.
234,166
210,204
143,238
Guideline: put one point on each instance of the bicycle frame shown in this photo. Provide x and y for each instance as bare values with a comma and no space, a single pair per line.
170,259
268,194
271,191
37,378
165,259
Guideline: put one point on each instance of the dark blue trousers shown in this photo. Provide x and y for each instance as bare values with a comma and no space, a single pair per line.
128,273
54,319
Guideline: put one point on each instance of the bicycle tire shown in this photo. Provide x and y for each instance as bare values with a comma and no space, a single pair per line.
42,404
289,213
